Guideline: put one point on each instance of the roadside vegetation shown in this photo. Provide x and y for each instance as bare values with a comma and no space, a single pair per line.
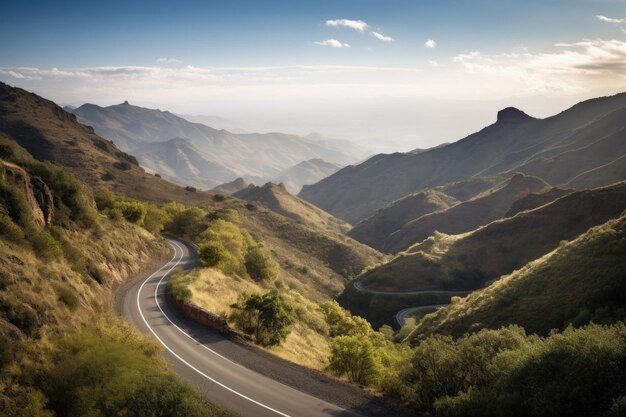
62,351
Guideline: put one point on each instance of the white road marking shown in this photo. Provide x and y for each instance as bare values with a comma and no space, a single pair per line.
176,248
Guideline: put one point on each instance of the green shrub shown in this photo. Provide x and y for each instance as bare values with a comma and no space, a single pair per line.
260,265
94,375
178,286
9,230
45,245
353,356
264,316
21,316
213,253
133,211
185,222
15,205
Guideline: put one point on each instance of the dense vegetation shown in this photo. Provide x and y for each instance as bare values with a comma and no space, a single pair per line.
264,316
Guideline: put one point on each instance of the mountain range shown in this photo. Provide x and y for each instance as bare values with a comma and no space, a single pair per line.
190,153
581,146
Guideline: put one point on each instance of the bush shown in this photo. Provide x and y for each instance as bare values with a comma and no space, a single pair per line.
342,323
266,317
260,265
10,231
92,374
134,212
45,245
185,222
178,286
213,253
122,165
21,316
353,356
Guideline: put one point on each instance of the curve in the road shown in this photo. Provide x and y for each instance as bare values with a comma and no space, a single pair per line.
400,316
218,378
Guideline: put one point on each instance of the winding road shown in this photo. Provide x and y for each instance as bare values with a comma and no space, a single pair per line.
209,361
402,315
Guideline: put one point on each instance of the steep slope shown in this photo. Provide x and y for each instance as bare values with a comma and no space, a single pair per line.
613,171
469,261
515,143
181,162
466,216
374,230
312,259
251,155
534,200
279,200
579,282
231,187
49,133
305,173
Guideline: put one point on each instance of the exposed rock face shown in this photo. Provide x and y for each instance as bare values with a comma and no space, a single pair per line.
511,114
38,194
44,199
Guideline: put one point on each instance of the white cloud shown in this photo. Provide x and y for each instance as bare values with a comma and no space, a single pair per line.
610,19
434,63
576,67
333,43
168,61
358,25
430,44
382,37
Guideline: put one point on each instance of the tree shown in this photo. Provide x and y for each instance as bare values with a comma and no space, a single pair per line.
355,357
264,316
260,264
213,253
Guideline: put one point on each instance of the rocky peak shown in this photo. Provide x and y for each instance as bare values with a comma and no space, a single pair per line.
512,115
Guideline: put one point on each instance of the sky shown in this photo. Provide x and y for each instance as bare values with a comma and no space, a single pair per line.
392,75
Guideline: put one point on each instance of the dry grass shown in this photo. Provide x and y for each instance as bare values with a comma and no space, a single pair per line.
307,344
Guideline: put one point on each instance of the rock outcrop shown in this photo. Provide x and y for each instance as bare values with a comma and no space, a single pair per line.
37,193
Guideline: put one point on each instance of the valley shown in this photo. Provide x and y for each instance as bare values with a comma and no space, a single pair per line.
393,286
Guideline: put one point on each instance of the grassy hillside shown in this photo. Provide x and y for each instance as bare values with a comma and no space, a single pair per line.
469,215
556,149
310,256
469,261
534,200
579,282
62,350
279,200
374,230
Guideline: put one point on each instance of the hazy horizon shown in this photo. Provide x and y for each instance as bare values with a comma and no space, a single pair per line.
392,76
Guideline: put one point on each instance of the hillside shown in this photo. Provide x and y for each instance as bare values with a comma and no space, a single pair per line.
235,185
534,200
557,149
59,263
305,173
317,262
374,230
279,200
471,260
579,282
466,216
181,162
249,155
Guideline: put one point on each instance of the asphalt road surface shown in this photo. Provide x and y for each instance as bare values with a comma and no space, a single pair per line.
204,358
